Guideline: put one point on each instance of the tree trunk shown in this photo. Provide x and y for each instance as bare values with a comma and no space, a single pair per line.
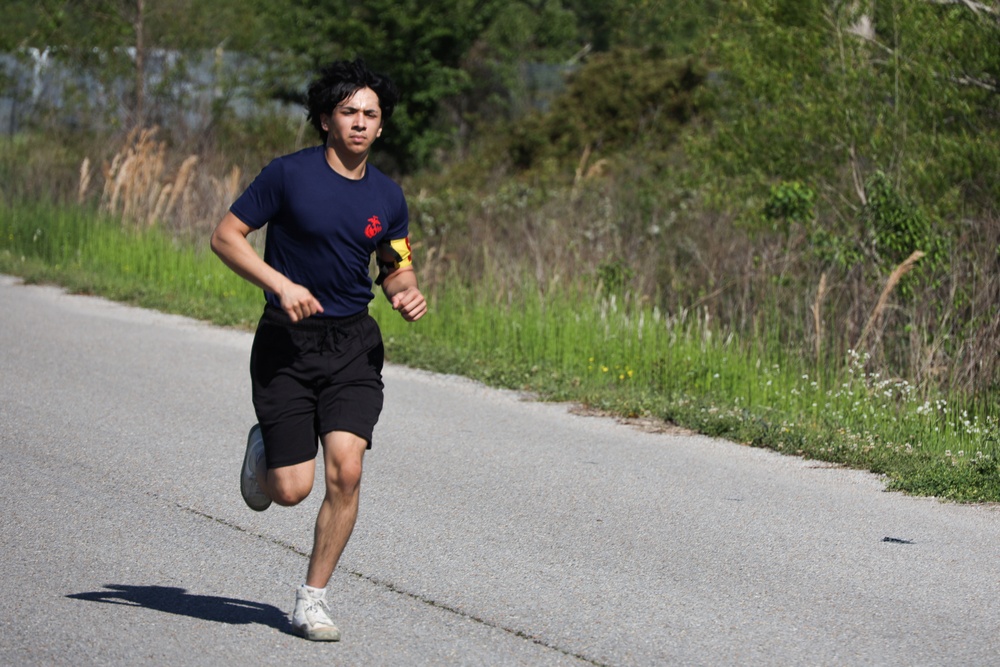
140,63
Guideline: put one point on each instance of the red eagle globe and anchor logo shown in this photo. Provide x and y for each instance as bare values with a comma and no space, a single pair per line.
373,227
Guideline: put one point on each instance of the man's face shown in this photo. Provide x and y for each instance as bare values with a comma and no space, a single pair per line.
355,123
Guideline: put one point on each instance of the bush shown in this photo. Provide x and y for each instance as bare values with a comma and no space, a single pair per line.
617,101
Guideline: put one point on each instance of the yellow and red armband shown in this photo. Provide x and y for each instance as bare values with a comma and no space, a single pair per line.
392,255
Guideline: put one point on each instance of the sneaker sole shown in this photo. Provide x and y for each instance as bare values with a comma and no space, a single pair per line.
252,504
324,635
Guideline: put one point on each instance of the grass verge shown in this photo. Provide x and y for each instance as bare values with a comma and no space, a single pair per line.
572,345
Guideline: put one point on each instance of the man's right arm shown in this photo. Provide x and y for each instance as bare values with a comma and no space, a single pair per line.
229,242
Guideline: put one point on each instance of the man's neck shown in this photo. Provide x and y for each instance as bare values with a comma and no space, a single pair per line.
352,166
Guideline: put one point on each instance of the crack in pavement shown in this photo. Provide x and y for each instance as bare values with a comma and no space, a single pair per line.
389,586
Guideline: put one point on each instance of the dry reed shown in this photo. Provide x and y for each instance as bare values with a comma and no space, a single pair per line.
133,179
817,315
81,193
138,190
905,267
179,186
228,187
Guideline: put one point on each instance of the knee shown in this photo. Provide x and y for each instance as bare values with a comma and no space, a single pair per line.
345,477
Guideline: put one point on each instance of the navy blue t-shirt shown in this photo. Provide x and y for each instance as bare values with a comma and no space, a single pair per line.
324,227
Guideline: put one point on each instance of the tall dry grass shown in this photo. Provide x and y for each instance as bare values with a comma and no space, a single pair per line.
943,331
669,252
897,274
142,186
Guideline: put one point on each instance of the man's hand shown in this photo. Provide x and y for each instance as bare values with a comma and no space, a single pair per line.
400,288
410,303
299,302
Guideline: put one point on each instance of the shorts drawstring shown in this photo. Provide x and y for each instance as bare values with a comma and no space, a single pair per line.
331,335
333,329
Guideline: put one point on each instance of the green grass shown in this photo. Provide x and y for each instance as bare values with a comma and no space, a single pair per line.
92,255
572,345
636,361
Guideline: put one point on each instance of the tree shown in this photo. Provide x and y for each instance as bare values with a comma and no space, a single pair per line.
807,95
109,41
450,58
107,37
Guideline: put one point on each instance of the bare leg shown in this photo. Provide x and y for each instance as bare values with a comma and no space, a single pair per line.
343,454
289,485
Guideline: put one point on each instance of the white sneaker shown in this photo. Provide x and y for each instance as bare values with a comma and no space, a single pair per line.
254,468
311,618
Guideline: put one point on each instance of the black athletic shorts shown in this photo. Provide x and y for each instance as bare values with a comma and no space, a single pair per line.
314,376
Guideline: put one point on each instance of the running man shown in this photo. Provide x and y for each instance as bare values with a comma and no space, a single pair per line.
316,361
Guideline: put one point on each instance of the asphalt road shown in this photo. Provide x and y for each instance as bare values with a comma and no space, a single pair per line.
493,530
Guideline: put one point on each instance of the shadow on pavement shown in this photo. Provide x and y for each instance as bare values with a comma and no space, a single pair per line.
179,601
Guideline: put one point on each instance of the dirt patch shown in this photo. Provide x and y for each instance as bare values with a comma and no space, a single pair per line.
645,424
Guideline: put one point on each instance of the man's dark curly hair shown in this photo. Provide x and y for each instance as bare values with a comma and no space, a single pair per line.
341,79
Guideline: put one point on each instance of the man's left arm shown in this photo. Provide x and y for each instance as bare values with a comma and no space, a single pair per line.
400,288
398,280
